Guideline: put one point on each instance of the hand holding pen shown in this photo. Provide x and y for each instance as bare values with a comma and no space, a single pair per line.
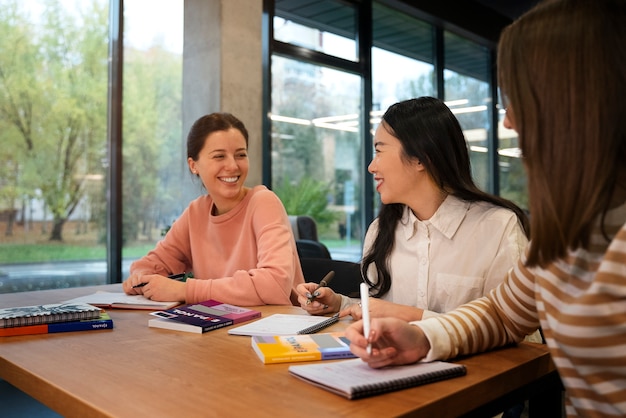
181,277
323,283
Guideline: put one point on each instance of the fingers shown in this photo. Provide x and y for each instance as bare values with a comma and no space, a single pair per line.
353,310
314,300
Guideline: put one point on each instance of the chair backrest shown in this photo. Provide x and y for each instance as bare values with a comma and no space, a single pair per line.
311,249
304,227
347,274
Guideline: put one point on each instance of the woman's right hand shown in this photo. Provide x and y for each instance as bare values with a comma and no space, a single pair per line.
394,342
326,301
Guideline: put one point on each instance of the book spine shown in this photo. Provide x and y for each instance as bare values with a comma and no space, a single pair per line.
56,327
80,326
28,330
337,355
291,358
216,326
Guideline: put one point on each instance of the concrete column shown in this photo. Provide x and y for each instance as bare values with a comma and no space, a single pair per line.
222,68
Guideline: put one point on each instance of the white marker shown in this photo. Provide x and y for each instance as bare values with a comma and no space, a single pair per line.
365,307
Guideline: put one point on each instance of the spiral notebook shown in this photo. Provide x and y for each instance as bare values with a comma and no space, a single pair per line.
285,324
354,379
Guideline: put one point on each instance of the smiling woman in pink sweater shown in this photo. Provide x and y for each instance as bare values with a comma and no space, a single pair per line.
236,240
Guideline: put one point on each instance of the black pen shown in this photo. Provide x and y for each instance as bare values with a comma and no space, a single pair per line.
323,283
178,277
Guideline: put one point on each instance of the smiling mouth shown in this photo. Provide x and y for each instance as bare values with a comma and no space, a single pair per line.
229,179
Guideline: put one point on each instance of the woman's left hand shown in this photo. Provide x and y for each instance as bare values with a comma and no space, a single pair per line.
380,308
156,287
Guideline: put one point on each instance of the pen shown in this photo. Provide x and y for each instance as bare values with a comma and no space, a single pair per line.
323,283
365,306
178,277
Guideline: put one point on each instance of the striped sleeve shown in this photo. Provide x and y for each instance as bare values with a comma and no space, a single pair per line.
580,302
506,315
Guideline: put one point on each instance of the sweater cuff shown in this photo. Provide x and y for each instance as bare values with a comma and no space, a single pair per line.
428,314
346,301
437,337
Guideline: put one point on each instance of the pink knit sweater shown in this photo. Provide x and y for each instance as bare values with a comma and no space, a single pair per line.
244,257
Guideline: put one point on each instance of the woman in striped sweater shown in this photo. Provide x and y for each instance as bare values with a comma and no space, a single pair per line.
561,66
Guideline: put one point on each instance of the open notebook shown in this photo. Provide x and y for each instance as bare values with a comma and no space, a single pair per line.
354,379
121,300
285,324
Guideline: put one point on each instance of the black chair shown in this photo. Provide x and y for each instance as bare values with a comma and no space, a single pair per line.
311,249
303,227
347,274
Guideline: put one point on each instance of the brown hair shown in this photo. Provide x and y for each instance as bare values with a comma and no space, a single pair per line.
562,66
206,125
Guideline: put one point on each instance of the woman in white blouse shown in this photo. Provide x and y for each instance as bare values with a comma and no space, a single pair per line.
438,241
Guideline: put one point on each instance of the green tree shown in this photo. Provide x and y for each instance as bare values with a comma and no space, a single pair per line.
19,63
54,85
153,144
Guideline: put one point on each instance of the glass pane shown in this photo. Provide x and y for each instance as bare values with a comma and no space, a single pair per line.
53,130
466,89
402,62
154,148
316,150
327,26
512,173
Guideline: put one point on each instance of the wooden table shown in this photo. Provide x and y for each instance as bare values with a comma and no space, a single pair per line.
137,371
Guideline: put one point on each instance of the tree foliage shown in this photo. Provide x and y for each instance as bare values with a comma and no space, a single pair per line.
53,86
53,118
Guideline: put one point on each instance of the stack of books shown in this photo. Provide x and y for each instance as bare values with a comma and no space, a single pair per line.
52,318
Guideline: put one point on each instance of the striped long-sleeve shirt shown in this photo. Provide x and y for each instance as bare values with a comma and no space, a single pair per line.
580,303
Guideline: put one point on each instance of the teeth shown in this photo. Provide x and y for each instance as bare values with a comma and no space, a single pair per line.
230,179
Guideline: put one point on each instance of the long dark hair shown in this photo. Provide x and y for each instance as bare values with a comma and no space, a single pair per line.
430,133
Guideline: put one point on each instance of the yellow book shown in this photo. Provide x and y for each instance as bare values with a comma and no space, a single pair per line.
301,347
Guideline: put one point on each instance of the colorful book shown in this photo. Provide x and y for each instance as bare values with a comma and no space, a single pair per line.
355,379
104,321
202,317
301,347
46,314
286,324
119,300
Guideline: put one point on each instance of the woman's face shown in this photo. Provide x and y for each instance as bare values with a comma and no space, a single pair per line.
223,165
395,177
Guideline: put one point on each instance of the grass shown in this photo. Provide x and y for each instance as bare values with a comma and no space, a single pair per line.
37,253
32,245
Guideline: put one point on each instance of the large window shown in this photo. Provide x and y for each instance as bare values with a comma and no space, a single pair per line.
54,161
316,134
335,66
402,63
153,147
410,56
53,124
467,91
